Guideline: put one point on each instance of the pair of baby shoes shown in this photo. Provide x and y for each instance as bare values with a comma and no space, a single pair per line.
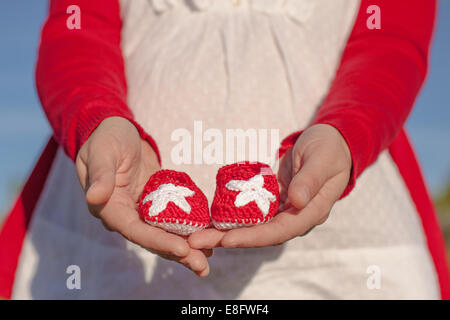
246,194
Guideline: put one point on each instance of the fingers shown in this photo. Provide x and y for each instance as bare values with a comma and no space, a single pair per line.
126,221
155,238
283,227
196,261
307,182
101,178
165,244
290,223
206,239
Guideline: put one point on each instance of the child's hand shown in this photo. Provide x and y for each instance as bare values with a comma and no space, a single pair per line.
113,166
312,176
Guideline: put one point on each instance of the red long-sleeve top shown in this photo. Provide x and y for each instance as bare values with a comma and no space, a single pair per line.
81,79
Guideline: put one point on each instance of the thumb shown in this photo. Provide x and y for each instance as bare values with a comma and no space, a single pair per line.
101,178
308,181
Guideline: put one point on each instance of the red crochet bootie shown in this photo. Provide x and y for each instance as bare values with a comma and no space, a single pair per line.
173,202
246,194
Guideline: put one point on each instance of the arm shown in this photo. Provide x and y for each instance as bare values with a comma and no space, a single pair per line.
379,77
81,83
80,74
378,80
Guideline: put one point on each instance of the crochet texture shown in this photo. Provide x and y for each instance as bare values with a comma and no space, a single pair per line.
173,202
246,194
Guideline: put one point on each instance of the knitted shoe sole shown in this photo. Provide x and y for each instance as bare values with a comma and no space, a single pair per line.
223,225
183,229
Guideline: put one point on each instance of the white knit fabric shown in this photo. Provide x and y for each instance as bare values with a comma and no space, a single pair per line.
252,190
233,225
183,228
166,193
233,64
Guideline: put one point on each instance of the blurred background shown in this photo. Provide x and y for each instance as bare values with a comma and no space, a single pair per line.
24,129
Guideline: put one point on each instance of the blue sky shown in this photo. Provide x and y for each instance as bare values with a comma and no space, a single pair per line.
24,129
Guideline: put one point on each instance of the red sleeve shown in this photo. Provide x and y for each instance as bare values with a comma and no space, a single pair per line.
80,75
378,80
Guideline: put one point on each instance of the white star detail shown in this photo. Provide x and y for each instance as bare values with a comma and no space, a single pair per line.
168,193
252,190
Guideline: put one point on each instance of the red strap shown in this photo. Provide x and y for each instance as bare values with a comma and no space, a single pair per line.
403,155
15,226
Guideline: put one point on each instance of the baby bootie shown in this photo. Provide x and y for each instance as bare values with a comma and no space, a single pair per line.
246,194
173,202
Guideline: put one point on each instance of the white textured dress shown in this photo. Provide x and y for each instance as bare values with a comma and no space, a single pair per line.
230,64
